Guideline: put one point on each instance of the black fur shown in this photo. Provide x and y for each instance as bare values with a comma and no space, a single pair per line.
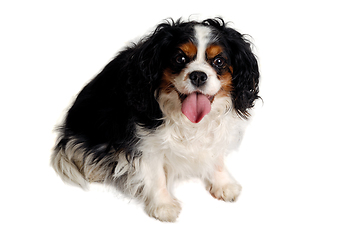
122,95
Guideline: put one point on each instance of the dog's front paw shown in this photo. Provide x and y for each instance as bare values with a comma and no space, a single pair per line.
165,212
228,192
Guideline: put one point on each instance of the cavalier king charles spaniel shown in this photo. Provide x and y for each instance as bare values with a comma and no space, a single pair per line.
170,107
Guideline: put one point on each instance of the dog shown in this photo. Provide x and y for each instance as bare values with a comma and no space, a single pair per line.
169,107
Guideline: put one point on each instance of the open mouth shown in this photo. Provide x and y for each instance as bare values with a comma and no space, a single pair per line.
195,106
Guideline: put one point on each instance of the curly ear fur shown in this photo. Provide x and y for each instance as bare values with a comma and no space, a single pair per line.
246,75
245,67
148,61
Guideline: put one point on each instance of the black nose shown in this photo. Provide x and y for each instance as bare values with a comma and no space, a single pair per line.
198,78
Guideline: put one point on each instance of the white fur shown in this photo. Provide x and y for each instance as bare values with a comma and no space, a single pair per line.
63,161
203,37
180,149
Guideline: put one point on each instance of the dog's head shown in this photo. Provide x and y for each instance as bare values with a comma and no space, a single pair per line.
200,62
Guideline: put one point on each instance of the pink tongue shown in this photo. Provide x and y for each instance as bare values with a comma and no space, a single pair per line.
195,107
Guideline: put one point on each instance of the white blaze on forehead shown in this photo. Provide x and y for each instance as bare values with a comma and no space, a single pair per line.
203,38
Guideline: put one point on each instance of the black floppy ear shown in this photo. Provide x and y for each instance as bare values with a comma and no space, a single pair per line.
147,63
245,72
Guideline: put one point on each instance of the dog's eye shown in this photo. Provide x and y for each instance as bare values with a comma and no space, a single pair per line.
219,62
180,59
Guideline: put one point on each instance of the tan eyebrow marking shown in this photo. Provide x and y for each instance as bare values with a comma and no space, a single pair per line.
189,49
213,50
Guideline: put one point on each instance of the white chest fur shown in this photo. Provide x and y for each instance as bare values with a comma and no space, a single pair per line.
193,149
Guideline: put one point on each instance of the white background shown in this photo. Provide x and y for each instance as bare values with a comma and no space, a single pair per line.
299,161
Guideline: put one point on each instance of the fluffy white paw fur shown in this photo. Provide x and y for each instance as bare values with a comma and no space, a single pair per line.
228,192
165,212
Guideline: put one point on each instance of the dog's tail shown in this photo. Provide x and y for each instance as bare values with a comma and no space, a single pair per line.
63,160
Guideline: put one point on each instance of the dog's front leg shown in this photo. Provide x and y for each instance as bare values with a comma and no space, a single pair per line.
159,203
222,185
